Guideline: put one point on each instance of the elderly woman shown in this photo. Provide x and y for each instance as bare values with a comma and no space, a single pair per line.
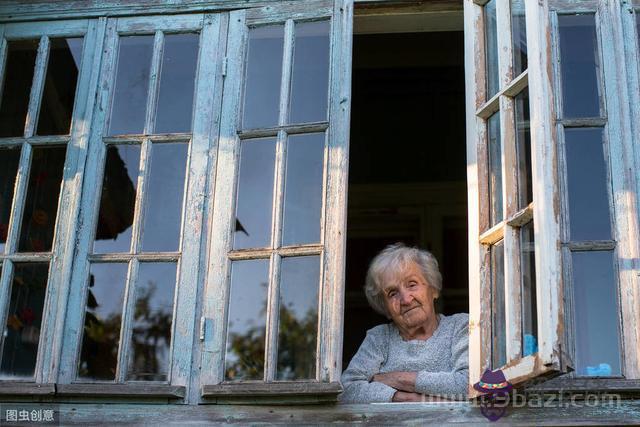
420,352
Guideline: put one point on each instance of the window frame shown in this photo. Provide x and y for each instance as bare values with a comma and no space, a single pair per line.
551,357
75,142
331,247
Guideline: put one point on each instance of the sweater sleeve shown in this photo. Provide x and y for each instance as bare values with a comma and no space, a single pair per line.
364,365
453,384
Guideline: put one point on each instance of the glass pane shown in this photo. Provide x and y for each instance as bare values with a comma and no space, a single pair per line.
529,307
595,300
118,200
498,319
152,319
102,320
247,321
132,82
519,35
9,161
22,333
491,48
495,168
587,185
303,189
310,81
18,76
298,323
60,87
579,65
165,192
177,83
255,194
41,205
523,147
264,69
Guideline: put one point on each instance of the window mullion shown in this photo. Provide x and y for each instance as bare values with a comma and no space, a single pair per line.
154,83
19,199
127,320
3,58
37,87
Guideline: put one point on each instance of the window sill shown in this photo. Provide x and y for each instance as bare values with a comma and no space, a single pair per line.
625,387
15,387
121,390
285,392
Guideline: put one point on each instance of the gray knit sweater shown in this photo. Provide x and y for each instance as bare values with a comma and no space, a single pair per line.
441,362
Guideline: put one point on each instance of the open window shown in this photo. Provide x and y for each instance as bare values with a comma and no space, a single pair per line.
516,301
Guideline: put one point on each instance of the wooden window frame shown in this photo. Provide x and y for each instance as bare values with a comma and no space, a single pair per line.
331,247
75,141
551,357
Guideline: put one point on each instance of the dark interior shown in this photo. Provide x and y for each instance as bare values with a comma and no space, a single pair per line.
407,175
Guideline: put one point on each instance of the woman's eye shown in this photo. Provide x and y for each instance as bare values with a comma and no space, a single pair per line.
412,284
392,294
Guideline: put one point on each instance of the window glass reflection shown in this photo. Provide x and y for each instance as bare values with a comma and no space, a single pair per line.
495,168
255,194
22,330
132,82
519,37
298,318
523,148
117,204
164,195
246,324
152,319
498,319
102,320
579,66
310,81
177,83
597,331
587,185
41,205
18,75
491,48
529,303
303,189
264,69
9,162
60,87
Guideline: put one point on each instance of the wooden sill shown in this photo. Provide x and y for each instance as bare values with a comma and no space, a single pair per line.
588,385
261,389
121,390
13,388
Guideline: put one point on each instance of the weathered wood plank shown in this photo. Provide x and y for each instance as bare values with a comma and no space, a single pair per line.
152,24
242,254
289,129
284,10
51,29
272,389
113,390
37,87
8,388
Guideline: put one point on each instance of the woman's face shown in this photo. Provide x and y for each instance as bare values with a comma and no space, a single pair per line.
409,297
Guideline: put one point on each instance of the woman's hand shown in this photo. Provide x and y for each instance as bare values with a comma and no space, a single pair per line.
403,396
402,381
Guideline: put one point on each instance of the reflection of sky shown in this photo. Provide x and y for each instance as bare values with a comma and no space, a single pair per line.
130,93
255,193
177,80
300,277
495,175
491,28
164,195
579,67
303,189
309,91
595,311
130,155
108,288
262,90
587,185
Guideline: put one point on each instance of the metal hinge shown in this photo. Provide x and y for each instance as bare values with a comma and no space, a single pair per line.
203,321
224,66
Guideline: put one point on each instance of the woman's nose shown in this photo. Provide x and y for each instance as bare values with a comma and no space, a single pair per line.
405,297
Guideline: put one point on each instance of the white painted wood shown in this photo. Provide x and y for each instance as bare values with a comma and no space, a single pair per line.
160,23
36,87
6,279
128,307
154,83
55,28
546,197
623,171
476,135
65,236
19,197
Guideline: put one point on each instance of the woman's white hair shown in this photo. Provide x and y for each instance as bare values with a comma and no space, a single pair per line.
392,260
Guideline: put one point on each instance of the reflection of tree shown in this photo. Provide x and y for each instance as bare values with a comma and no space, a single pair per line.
296,348
151,335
